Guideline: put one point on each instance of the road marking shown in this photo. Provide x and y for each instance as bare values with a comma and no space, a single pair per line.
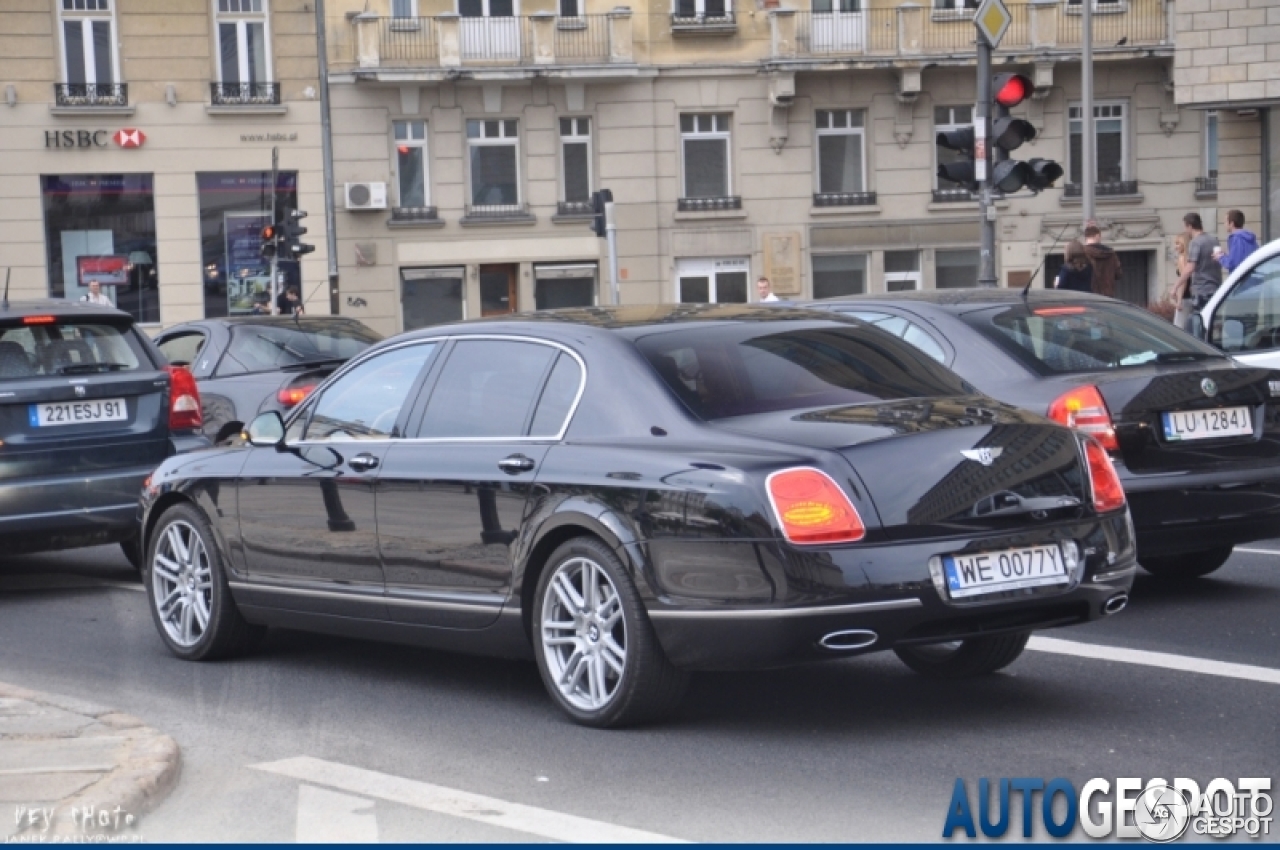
123,585
546,823
1164,660
327,817
1257,551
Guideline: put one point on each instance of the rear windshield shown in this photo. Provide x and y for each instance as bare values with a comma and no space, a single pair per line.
737,370
264,348
42,346
1059,339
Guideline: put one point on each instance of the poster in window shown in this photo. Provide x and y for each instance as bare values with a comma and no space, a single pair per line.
109,270
248,274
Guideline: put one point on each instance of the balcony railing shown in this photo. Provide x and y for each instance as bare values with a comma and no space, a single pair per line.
688,21
91,94
244,94
497,211
568,209
728,202
844,199
1206,187
1108,189
452,40
951,196
413,215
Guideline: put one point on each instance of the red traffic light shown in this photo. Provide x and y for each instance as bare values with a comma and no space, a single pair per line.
1011,89
268,233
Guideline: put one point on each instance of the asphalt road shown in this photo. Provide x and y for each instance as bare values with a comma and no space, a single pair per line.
855,750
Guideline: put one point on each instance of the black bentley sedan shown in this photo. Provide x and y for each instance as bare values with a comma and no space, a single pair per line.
1194,434
633,493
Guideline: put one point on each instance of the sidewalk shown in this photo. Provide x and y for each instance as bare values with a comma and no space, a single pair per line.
72,768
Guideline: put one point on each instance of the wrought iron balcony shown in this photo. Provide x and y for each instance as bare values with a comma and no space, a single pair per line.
1207,187
1108,189
244,94
729,202
497,212
412,215
689,21
844,199
568,209
951,196
91,94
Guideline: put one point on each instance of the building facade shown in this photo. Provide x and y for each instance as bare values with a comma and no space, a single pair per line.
1228,67
739,138
137,139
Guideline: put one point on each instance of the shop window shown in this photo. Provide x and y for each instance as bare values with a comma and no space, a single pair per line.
102,227
901,270
432,296
955,269
234,207
839,274
564,286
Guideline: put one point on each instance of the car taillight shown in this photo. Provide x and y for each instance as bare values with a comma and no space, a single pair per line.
811,508
1084,410
289,396
1108,493
184,400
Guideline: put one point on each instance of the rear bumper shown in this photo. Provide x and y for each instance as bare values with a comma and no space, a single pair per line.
898,603
1187,513
62,512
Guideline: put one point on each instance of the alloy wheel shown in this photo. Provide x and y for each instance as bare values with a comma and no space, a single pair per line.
182,583
584,634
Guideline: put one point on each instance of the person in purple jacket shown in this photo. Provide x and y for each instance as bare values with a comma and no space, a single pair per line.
1240,242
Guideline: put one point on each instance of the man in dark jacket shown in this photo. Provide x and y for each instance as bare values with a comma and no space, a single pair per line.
1240,242
1106,265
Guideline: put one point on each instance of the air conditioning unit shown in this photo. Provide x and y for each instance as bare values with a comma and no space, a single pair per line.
366,196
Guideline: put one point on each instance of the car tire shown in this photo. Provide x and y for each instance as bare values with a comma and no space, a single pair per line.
595,647
1187,565
965,658
132,549
187,584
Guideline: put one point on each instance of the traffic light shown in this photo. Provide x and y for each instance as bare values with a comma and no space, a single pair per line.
1009,134
598,200
290,236
270,236
961,171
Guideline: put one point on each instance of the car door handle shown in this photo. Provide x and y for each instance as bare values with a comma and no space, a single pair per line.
515,464
363,462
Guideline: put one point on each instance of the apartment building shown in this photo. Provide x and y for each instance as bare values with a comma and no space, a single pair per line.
137,139
1228,67
739,138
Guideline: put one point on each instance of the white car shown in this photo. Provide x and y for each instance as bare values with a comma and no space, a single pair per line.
1243,317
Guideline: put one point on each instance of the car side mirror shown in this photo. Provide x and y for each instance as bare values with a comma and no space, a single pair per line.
266,430
1195,327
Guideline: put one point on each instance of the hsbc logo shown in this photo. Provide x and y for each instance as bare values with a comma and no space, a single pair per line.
127,137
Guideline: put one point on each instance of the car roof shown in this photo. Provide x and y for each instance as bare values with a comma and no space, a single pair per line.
284,320
59,307
963,300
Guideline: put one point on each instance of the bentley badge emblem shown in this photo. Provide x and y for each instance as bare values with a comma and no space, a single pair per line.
986,457
79,391
1209,386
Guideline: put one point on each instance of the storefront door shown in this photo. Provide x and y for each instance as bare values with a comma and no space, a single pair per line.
712,281
498,289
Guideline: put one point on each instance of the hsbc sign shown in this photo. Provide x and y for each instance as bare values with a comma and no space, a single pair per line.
127,137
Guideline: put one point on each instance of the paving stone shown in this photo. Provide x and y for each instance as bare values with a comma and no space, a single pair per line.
34,788
56,754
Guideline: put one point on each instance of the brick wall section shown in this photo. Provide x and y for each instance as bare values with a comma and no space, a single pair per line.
1227,50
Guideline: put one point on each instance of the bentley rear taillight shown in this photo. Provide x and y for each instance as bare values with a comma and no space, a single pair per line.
1108,493
812,509
1084,410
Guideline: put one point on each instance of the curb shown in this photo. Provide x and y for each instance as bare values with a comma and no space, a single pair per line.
146,762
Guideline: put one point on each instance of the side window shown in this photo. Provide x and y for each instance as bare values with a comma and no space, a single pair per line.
365,402
183,349
557,398
908,331
1248,319
486,389
924,342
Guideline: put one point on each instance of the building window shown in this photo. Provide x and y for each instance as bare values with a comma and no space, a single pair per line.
243,59
432,296
841,163
570,9
839,274
575,163
901,270
704,146
88,43
955,269
955,5
493,149
1211,143
102,227
1112,150
946,119
234,207
703,8
404,8
411,164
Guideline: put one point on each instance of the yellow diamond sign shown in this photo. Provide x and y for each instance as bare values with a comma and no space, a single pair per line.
992,20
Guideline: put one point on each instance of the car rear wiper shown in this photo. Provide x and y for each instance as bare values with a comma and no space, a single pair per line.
1184,356
85,368
310,364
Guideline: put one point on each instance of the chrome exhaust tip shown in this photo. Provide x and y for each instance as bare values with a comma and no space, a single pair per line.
1115,604
848,640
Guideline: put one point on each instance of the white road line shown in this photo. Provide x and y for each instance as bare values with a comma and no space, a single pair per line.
123,585
1164,660
327,817
1257,551
450,801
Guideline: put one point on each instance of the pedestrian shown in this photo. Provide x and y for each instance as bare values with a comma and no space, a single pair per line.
1178,295
1203,273
1106,265
95,296
764,290
289,304
1240,243
1077,272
